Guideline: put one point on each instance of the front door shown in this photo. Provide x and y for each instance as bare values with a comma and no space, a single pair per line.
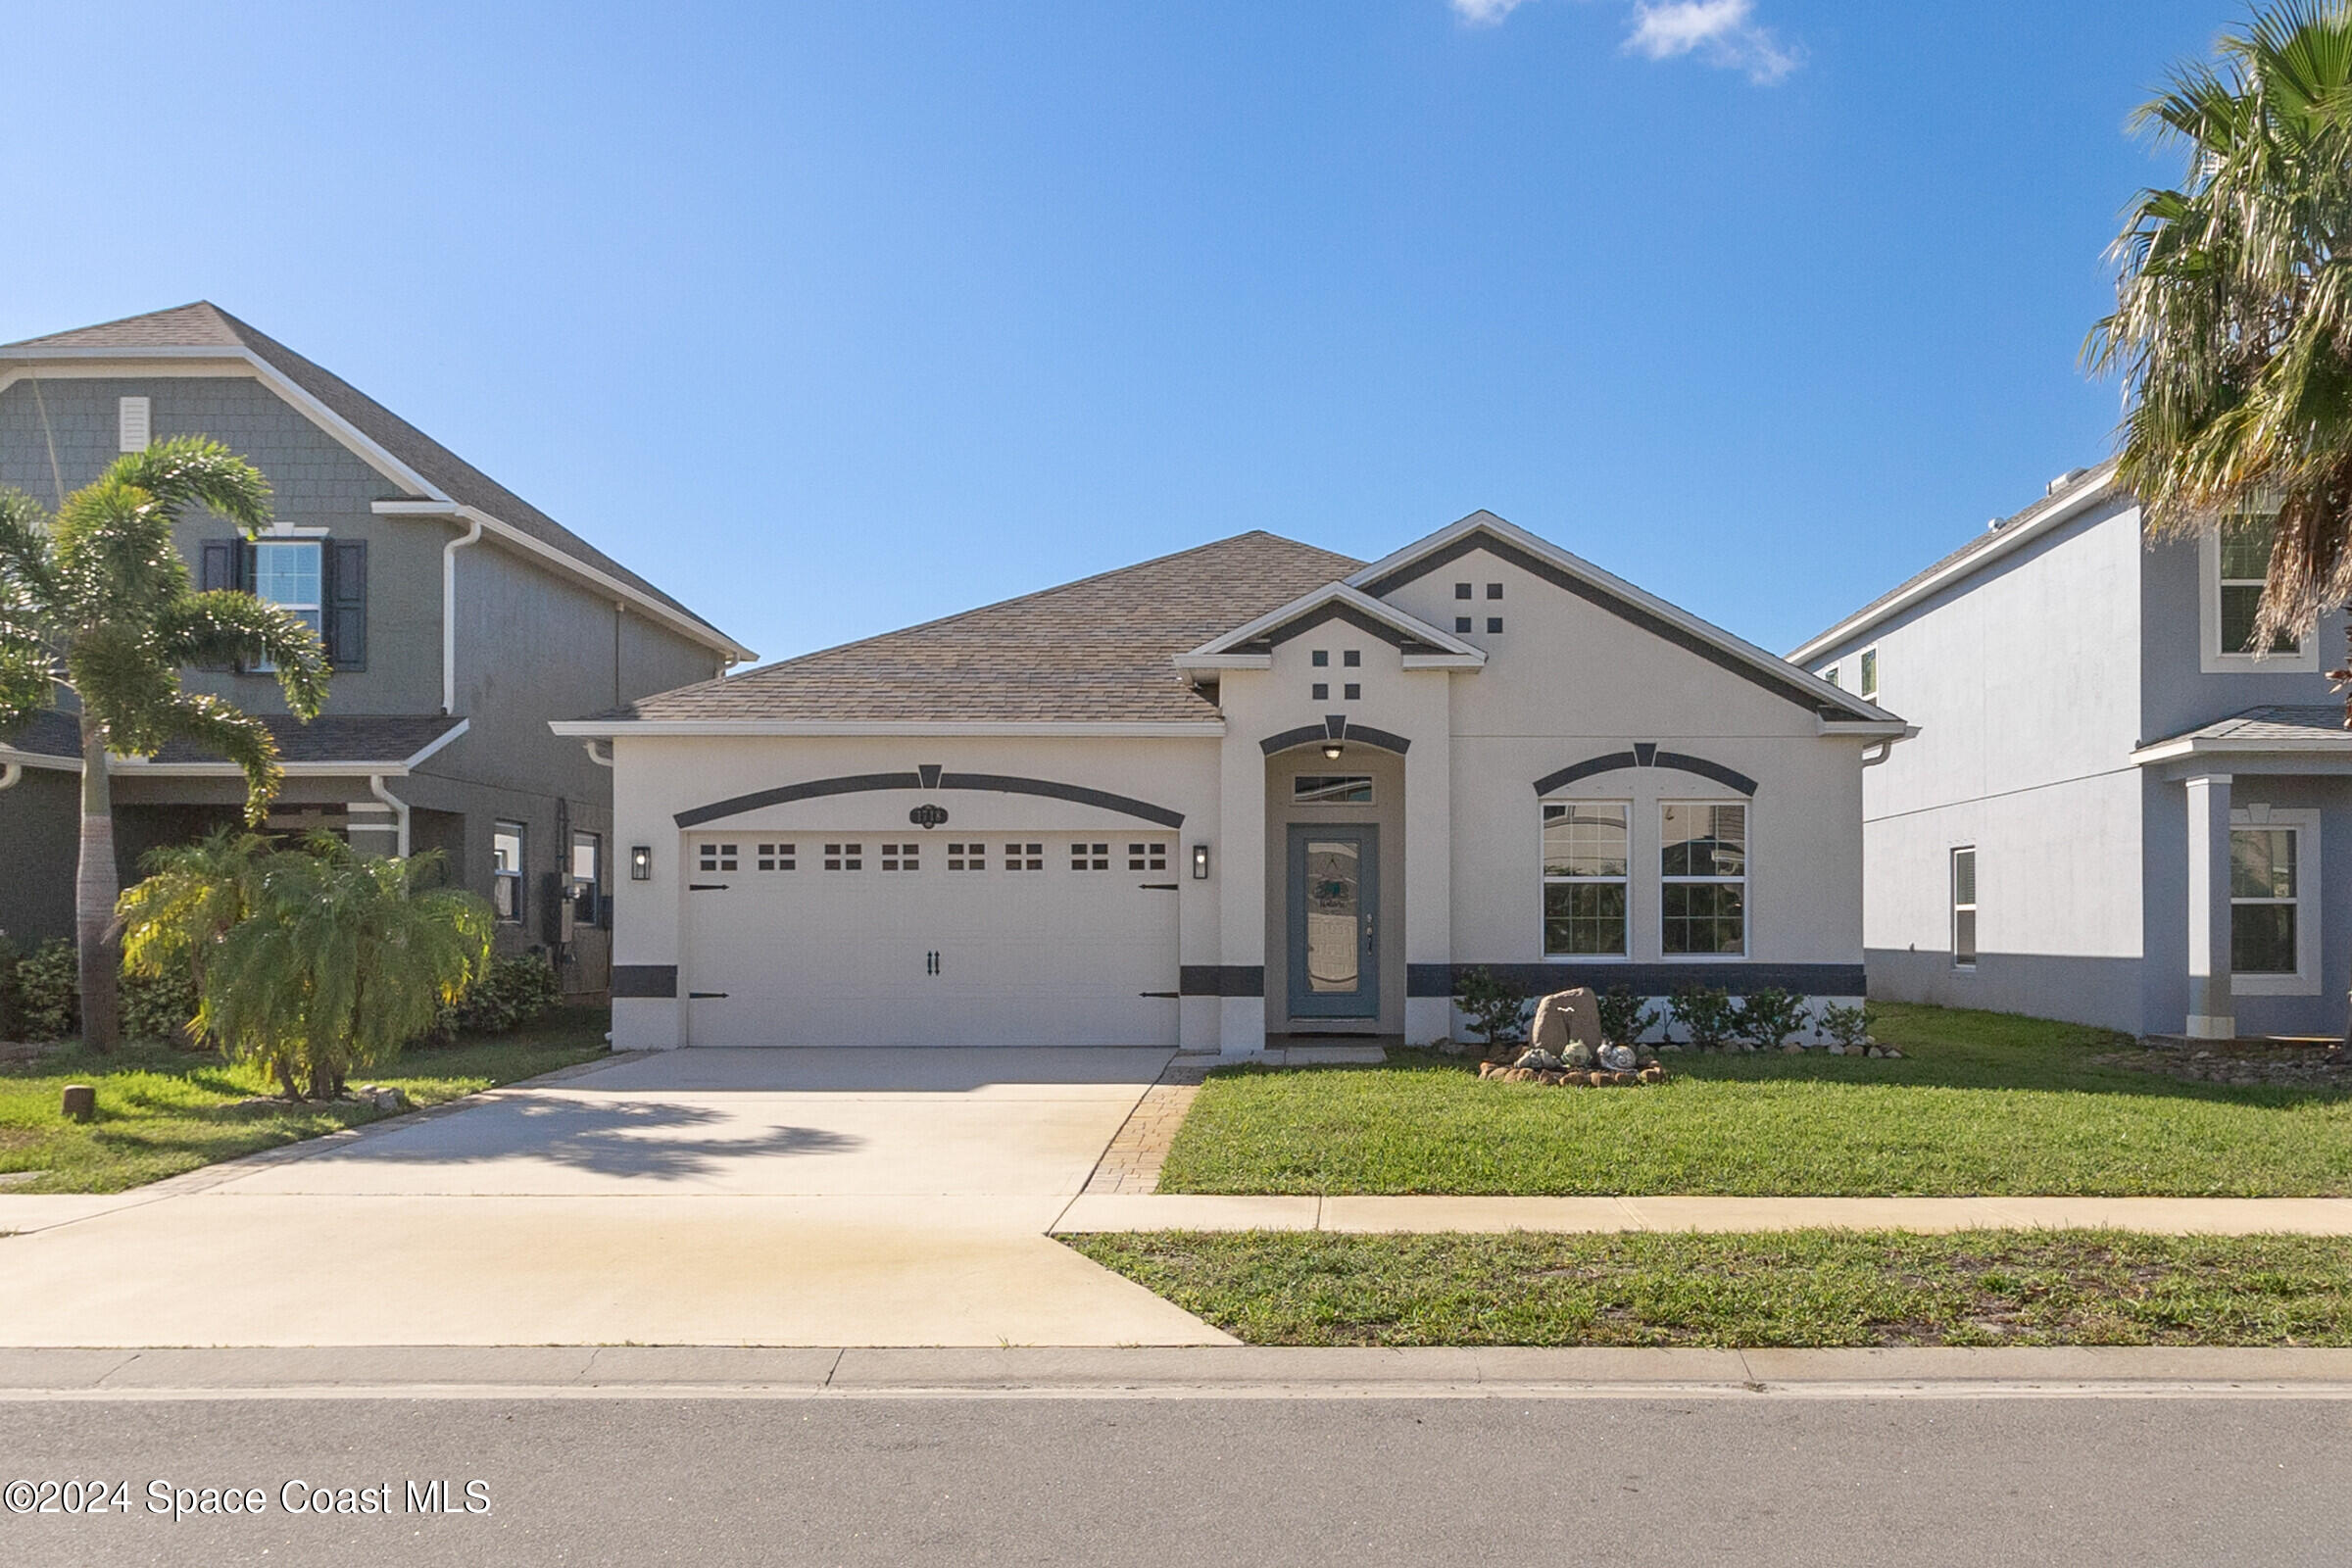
1335,957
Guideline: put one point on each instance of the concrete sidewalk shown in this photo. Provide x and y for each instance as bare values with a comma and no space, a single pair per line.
2163,1216
1208,1371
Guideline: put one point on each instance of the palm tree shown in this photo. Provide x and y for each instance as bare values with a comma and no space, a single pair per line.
341,960
96,605
2233,326
191,897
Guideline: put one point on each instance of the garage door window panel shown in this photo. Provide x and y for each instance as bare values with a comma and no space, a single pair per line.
1090,857
779,856
967,856
845,857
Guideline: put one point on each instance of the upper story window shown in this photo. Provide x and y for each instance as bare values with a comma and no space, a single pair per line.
1833,674
286,573
505,870
1870,674
2231,569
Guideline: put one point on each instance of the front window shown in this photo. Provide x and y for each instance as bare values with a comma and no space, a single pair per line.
2246,567
1702,873
1584,863
587,882
505,871
286,573
1870,674
1964,909
2265,902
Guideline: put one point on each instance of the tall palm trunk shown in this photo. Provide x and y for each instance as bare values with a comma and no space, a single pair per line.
96,885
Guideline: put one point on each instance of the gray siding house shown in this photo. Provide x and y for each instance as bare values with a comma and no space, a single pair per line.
2117,810
459,620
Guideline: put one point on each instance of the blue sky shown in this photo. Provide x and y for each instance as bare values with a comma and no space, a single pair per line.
830,317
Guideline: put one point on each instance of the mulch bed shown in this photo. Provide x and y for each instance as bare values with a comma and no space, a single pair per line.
2241,1066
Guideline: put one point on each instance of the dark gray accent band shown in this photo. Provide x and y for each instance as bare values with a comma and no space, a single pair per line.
1647,979
645,980
1645,753
812,789
998,783
1008,784
1334,727
1404,642
1625,610
1222,980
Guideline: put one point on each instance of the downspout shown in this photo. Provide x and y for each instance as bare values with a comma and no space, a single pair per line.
400,811
1873,755
449,631
600,758
13,773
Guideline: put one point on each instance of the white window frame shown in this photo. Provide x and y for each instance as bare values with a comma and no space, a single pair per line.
1545,879
1745,880
2211,660
1975,872
2305,981
1866,684
1835,674
520,873
316,544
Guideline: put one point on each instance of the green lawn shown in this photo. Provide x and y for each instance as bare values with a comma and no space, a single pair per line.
162,1112
1797,1287
1981,1103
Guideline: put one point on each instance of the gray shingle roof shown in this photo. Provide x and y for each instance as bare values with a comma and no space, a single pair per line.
203,325
1095,650
2282,723
329,738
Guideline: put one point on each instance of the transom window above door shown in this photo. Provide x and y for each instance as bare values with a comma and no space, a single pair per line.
1332,789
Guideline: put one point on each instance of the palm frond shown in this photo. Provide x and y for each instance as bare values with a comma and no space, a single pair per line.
214,725
229,627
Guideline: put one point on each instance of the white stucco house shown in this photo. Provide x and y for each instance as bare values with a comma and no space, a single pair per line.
1252,789
2118,810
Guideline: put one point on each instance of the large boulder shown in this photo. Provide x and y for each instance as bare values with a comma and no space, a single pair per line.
1568,1026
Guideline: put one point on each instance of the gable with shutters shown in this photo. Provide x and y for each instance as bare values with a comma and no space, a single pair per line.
343,568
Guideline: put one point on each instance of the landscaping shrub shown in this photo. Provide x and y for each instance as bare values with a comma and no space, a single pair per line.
1706,1014
1846,1026
160,1007
511,993
46,993
1771,1015
1493,1005
1624,1017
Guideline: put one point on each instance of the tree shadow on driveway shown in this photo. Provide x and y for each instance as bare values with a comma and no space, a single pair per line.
624,1138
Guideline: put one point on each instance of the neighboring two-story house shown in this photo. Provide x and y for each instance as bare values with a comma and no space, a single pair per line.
459,617
2118,811
1252,789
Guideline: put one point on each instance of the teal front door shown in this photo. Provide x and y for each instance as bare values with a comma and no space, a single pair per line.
1334,909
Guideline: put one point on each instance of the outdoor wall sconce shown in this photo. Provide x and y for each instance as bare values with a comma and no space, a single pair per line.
640,862
1200,863
1331,750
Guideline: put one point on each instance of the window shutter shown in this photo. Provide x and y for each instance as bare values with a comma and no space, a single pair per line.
217,570
346,615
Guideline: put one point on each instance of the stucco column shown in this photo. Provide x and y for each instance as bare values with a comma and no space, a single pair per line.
2211,1012
1240,870
1428,887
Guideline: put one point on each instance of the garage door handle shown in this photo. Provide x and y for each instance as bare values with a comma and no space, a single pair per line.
1157,887
1170,994
706,887
703,996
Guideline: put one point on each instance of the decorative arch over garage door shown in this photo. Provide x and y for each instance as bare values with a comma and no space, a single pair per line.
931,776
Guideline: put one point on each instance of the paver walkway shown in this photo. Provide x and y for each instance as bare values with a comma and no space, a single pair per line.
2171,1216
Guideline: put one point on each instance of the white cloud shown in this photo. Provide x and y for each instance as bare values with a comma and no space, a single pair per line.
1722,32
1484,13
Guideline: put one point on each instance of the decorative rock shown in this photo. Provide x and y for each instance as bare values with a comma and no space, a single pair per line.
1596,1079
1617,1058
1892,1051
1521,1075
79,1102
1623,1079
1836,1050
1792,1050
1567,1024
1653,1074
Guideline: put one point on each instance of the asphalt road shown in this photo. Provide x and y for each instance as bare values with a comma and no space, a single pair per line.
1171,1483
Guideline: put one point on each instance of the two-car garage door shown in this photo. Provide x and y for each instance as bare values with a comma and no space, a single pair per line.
892,938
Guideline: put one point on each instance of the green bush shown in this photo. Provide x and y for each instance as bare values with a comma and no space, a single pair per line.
509,994
1706,1013
1624,1017
1493,1006
160,1007
46,999
1846,1026
1771,1015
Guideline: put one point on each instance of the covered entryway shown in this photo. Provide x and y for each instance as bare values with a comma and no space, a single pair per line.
897,939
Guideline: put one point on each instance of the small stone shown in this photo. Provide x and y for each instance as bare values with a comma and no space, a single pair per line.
1836,1050
1874,1051
1548,1075
1892,1051
1792,1050
79,1102
1598,1080
1653,1074
1624,1079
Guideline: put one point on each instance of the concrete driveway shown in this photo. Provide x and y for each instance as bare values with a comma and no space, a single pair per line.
743,1197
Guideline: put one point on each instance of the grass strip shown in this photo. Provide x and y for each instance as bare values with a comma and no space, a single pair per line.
162,1112
1782,1288
1981,1103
